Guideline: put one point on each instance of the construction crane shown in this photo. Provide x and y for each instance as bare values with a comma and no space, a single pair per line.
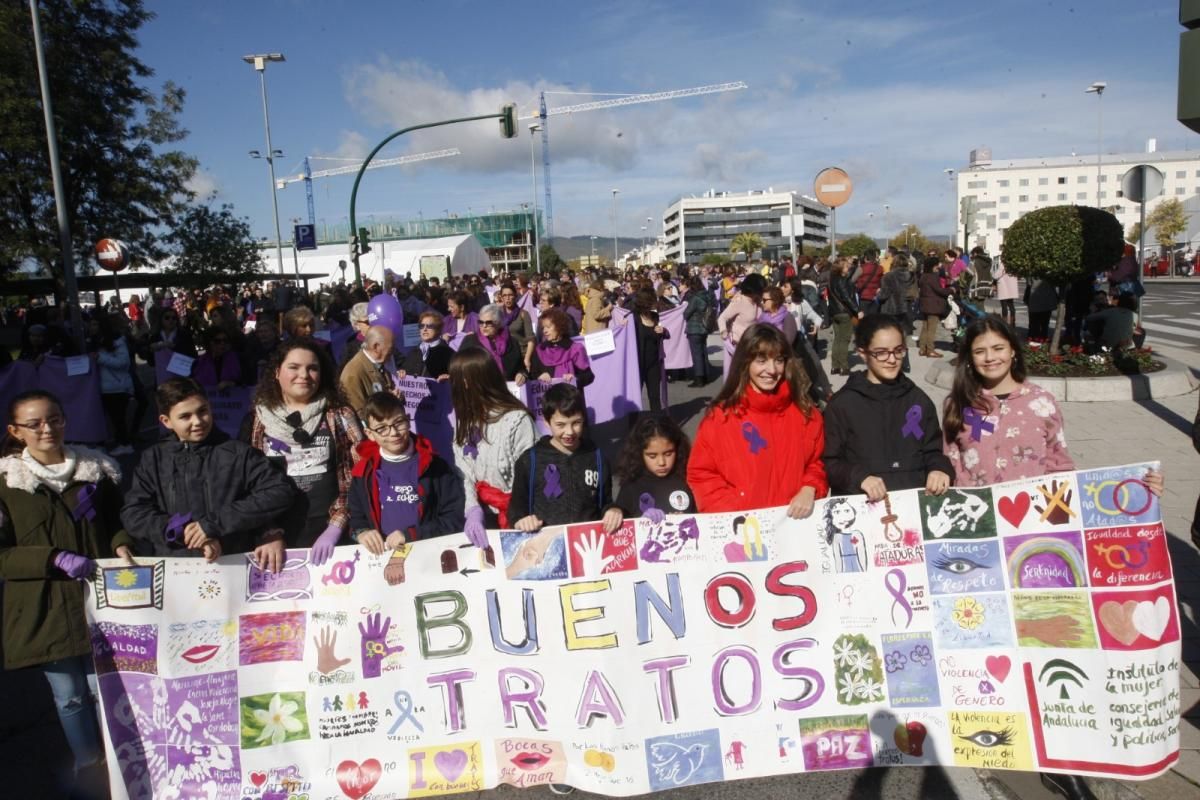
308,174
613,101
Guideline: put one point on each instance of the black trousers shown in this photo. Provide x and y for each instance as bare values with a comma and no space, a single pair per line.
652,379
699,345
115,406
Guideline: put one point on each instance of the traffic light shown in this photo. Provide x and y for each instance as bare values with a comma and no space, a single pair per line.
508,120
364,241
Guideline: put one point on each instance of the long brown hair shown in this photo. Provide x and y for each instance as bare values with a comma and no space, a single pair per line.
268,393
766,340
478,392
967,385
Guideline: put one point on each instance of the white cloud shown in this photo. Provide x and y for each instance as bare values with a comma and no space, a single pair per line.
203,184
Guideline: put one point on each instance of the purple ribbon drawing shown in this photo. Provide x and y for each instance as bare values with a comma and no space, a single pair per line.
978,422
85,503
278,445
912,422
896,589
645,502
175,525
750,434
553,487
471,448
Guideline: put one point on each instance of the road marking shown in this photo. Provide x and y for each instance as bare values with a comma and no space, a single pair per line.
1186,332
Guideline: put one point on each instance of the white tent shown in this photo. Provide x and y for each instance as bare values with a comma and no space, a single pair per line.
465,253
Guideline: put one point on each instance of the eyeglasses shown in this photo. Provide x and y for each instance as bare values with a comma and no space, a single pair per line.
488,322
425,326
888,355
396,426
54,422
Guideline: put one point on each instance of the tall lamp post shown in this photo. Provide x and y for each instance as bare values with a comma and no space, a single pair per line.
1097,89
534,128
259,62
615,192
954,213
907,234
593,262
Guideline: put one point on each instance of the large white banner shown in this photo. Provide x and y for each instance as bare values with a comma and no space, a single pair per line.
1030,626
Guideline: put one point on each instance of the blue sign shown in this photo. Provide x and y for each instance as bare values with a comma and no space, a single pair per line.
305,237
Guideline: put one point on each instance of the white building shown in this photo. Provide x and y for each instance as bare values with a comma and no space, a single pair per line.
694,227
1004,190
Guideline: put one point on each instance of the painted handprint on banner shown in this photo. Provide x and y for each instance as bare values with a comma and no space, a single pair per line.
374,644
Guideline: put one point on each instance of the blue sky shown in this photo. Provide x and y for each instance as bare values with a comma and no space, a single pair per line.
892,92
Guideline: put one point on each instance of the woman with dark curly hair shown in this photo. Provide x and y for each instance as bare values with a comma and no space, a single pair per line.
304,426
653,470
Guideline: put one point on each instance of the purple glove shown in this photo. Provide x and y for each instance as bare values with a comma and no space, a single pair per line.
475,531
78,567
649,511
322,548
374,647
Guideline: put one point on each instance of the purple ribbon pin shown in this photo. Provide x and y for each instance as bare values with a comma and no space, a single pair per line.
912,422
278,445
471,448
978,422
645,502
750,434
553,487
175,525
85,503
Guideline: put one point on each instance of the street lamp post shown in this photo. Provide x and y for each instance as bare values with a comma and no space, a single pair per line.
534,128
593,263
259,62
1097,89
614,215
886,222
953,214
907,235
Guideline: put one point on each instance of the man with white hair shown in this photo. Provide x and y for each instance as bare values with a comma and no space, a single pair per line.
372,369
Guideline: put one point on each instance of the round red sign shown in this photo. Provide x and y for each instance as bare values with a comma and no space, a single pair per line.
112,254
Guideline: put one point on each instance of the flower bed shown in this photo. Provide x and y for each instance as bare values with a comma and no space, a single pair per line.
1075,362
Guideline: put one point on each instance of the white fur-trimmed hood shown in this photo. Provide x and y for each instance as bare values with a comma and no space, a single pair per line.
90,467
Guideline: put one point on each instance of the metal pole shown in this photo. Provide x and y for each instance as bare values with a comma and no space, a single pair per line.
614,215
537,254
1099,140
832,234
262,77
60,195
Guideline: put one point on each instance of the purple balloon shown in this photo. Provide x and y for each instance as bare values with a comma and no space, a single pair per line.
384,309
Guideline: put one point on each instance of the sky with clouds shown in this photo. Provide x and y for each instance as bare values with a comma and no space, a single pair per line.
893,92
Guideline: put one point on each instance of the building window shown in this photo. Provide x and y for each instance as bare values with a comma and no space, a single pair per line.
1062,181
1120,194
1081,179
1182,173
1043,198
1022,198
1043,181
1003,184
1081,195
1004,199
1179,190
1062,196
1003,215
1104,179
1023,182
976,184
1103,195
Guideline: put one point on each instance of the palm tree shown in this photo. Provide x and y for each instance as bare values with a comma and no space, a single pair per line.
747,243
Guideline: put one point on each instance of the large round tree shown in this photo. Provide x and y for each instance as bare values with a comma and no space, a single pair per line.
1061,244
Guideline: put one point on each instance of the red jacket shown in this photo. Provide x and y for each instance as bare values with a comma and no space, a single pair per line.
758,455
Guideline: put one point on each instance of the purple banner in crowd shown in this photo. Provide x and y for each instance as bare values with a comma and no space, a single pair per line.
17,377
677,353
338,336
80,396
229,407
428,404
616,392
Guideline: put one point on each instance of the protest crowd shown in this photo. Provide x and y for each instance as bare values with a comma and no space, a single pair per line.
323,448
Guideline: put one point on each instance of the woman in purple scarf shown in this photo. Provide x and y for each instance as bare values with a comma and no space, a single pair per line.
459,320
557,355
774,312
494,339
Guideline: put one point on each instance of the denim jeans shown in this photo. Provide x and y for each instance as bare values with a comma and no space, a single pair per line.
699,345
73,684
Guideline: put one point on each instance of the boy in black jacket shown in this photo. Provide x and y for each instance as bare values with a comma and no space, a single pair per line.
203,491
401,491
564,478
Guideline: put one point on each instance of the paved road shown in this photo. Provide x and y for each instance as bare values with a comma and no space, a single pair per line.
1171,317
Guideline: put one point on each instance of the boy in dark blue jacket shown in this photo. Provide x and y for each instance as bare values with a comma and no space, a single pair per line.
401,491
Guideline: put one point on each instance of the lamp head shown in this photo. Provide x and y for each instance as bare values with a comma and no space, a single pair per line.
1097,88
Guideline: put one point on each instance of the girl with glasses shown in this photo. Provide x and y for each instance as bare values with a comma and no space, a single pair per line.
59,510
881,430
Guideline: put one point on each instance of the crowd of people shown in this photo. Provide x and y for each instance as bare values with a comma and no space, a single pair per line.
327,454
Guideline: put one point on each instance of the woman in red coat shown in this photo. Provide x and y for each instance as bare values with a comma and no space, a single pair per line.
760,444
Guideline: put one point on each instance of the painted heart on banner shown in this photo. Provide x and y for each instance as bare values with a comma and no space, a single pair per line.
1014,508
1117,619
998,667
1151,619
258,778
451,763
357,779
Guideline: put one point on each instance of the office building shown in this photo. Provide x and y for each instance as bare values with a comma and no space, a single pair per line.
788,222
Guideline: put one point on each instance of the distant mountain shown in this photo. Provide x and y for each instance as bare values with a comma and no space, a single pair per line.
569,247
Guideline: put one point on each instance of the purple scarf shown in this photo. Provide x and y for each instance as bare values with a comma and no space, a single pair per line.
774,318
496,348
561,359
509,317
470,324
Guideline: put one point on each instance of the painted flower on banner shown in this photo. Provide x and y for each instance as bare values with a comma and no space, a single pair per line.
278,720
270,719
968,613
843,651
869,691
858,670
921,654
894,661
